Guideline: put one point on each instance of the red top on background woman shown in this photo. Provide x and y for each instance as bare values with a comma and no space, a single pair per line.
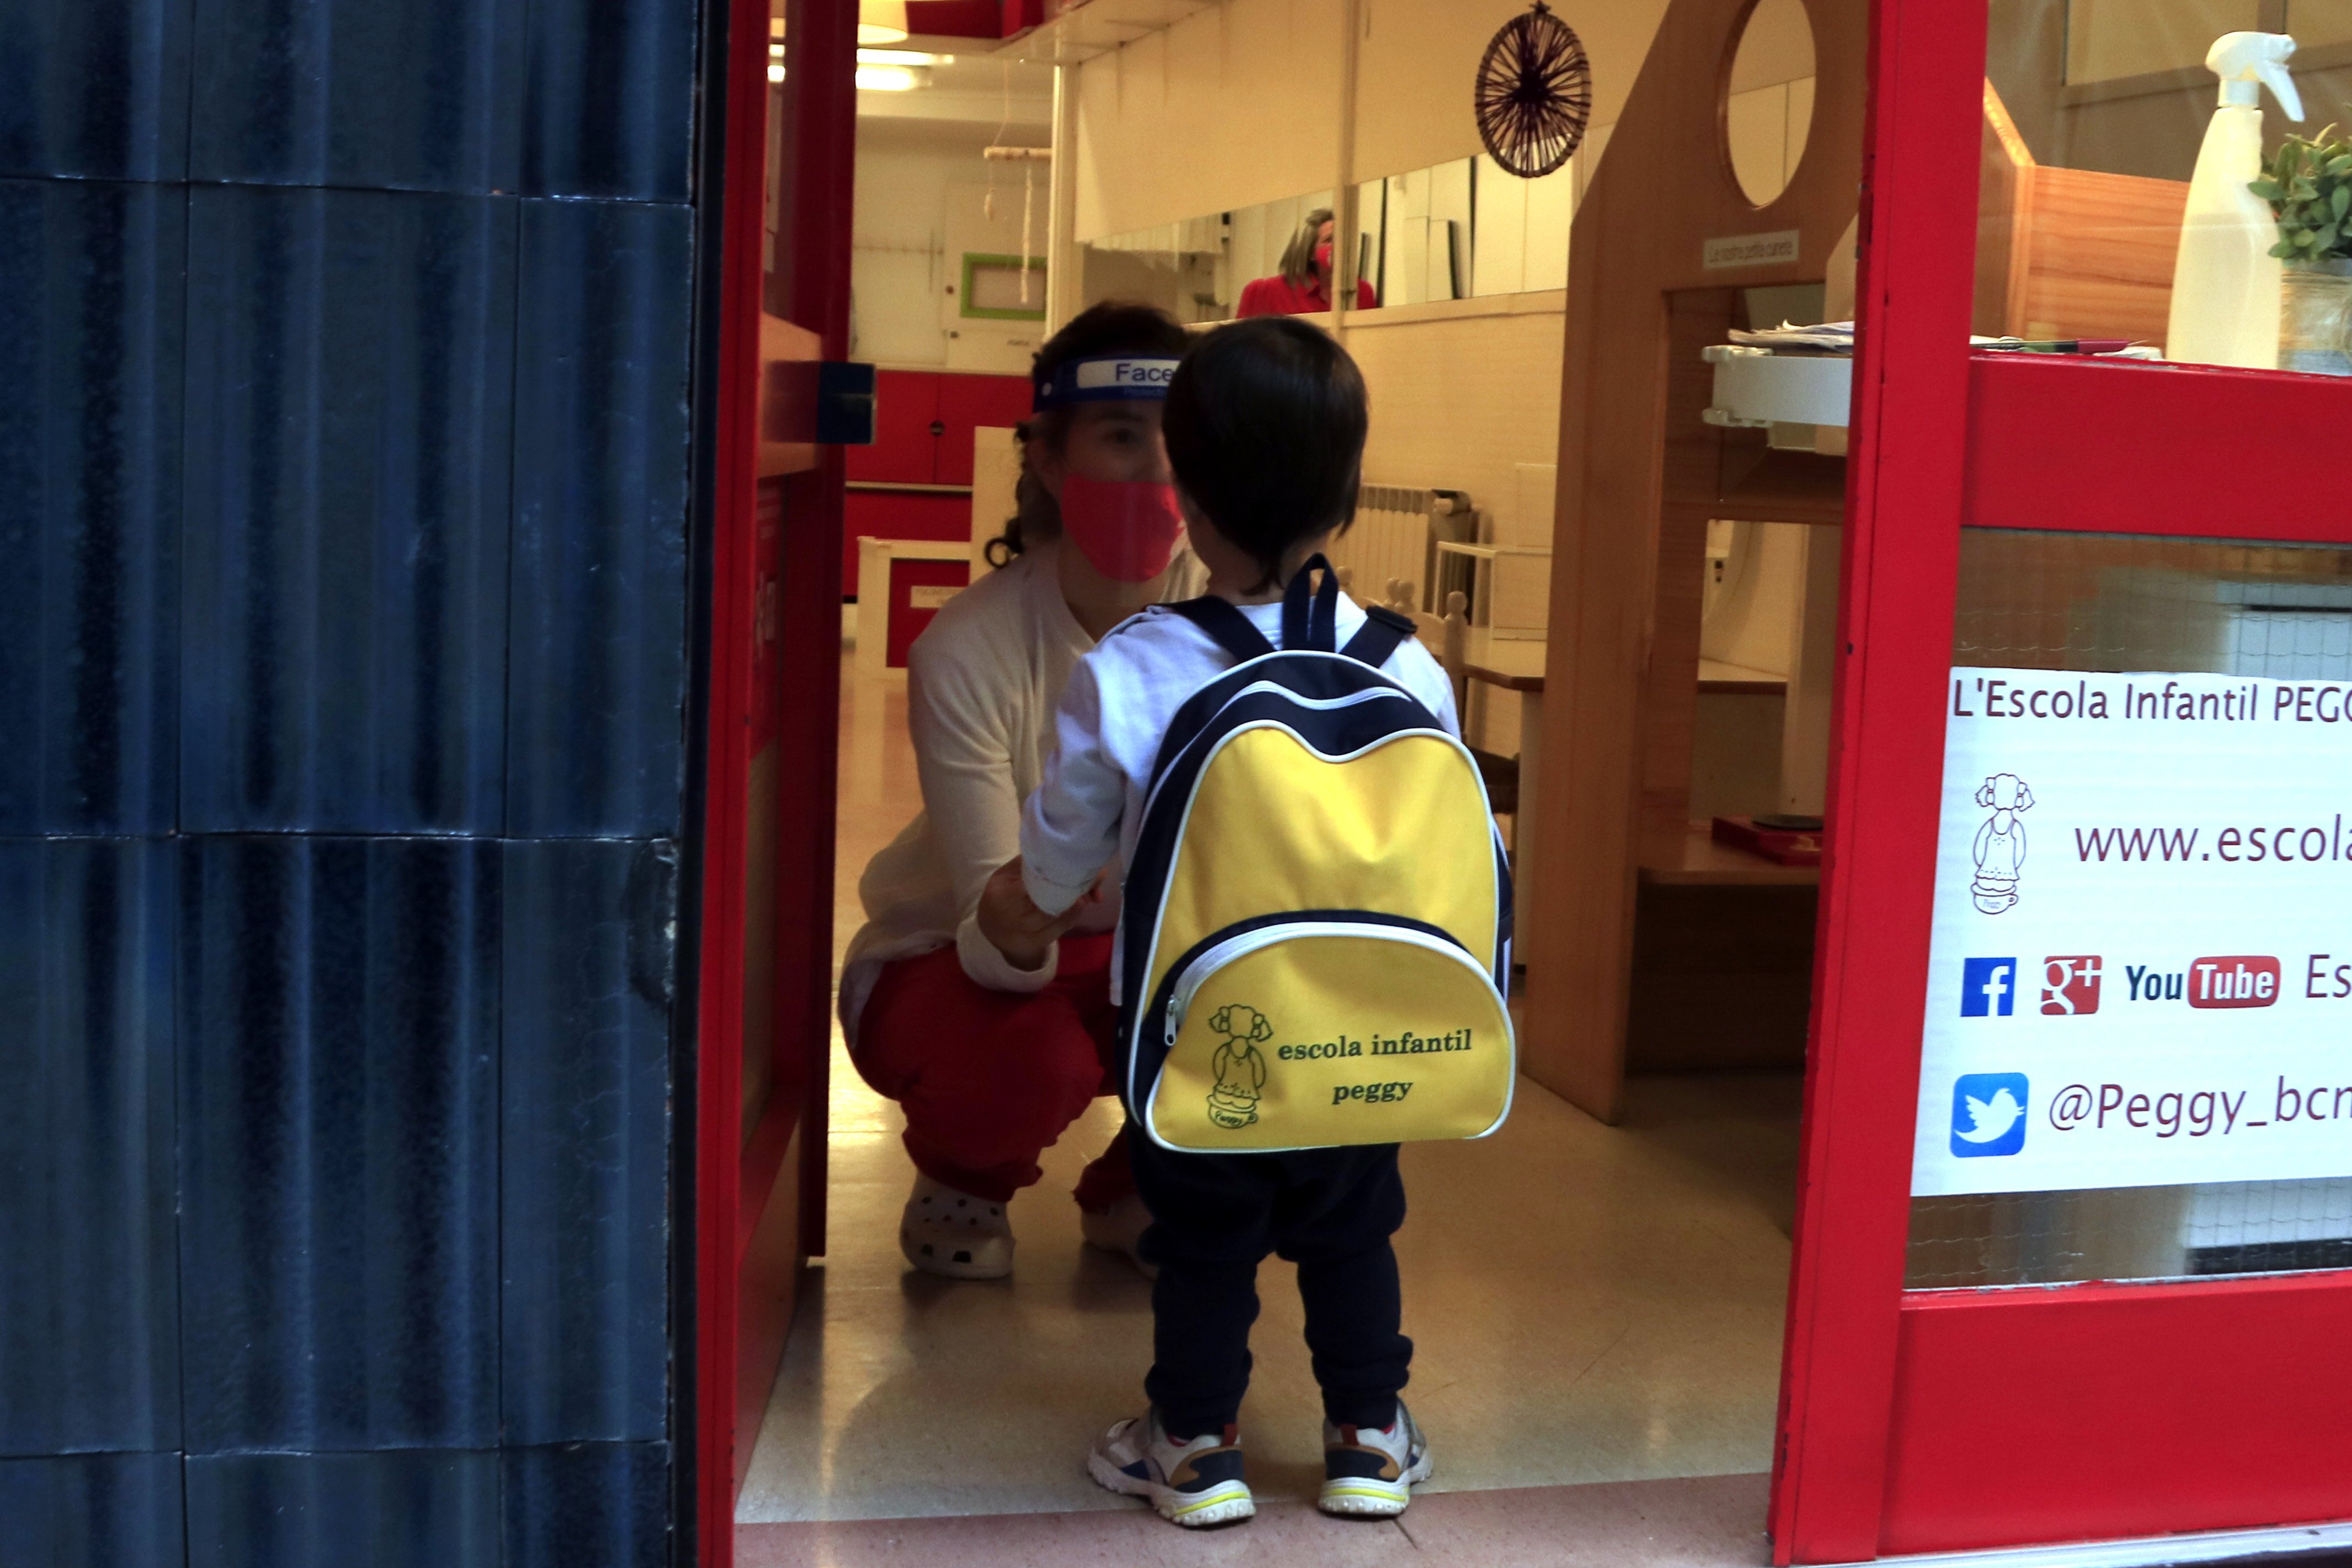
1304,284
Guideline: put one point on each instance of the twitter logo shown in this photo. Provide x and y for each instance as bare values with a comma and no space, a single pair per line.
1987,1114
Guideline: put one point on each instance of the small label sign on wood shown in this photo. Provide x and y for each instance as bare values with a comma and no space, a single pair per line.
1750,249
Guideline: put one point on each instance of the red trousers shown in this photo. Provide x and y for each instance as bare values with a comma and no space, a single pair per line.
989,1079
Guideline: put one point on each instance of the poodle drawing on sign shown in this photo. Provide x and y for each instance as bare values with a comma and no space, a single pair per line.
2001,843
1241,1070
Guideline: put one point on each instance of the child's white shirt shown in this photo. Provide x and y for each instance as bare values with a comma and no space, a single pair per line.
1088,811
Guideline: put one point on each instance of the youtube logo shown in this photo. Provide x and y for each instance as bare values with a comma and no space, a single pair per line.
2239,980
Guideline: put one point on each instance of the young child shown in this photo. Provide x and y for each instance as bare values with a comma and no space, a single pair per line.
1264,426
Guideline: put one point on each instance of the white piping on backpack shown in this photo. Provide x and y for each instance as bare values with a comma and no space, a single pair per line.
1236,947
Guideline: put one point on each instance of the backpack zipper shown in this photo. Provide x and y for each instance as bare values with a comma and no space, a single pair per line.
1233,948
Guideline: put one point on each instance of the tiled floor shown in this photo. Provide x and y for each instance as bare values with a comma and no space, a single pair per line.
1715,1520
1592,1306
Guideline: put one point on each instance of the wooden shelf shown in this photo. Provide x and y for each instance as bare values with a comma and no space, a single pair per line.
1770,484
1717,679
1516,664
1704,863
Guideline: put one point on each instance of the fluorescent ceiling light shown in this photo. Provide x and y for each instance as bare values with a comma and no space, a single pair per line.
775,74
868,33
902,57
881,21
888,79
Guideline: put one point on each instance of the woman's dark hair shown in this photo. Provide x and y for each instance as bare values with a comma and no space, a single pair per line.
1266,428
1110,327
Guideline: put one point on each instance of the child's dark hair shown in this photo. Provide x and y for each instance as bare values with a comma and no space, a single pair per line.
1110,327
1266,428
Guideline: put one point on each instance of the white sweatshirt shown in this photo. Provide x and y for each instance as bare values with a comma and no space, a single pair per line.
1122,697
982,684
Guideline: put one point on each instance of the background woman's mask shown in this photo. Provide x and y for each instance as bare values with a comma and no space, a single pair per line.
1126,529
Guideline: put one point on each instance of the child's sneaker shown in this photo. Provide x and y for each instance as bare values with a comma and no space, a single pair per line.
1370,1471
947,1232
1192,1483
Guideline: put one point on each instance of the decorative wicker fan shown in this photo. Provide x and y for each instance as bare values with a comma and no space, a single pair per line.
1534,93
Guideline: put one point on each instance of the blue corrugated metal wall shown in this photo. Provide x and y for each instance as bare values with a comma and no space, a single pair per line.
344,476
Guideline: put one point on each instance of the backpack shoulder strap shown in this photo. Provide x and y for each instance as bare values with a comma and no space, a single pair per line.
1226,625
1310,614
1383,632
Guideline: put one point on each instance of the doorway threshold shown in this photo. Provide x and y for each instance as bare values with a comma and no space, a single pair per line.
2273,1545
1701,1521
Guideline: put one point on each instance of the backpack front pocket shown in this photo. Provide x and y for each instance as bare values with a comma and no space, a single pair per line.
1331,1030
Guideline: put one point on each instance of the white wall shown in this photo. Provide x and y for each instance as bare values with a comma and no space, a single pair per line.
1232,105
920,188
1238,104
1459,402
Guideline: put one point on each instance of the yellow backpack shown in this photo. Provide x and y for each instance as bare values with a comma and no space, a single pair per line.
1316,928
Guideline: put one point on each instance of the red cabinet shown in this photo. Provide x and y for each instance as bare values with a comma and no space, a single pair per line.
905,449
923,421
915,481
970,402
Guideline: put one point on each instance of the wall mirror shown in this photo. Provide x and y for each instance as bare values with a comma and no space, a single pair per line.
1768,107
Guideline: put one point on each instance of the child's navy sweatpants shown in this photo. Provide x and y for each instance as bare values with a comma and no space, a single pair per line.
1214,1216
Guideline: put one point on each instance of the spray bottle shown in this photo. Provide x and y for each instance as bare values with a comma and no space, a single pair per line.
2225,281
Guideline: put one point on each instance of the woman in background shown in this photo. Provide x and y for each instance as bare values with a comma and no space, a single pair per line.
1304,284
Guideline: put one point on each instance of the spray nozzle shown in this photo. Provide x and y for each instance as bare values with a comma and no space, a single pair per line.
2248,62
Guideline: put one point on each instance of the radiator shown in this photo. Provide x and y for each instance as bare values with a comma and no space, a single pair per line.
1393,539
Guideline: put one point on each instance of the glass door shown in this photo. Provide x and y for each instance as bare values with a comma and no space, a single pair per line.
2077,1216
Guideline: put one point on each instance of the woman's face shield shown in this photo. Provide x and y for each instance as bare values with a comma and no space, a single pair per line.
1111,476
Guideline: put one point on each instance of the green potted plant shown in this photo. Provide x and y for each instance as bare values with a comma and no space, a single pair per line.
2309,187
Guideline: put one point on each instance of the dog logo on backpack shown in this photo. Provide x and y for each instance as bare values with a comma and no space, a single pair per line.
1240,1070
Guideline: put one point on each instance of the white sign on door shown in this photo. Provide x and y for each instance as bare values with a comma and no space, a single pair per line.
2141,965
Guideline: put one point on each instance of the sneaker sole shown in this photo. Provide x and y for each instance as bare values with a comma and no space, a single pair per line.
1228,1502
1362,1497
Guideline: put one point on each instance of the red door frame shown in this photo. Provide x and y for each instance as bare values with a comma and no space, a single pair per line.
758,1206
2120,1410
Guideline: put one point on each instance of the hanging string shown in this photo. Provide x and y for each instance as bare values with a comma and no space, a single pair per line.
988,201
1028,200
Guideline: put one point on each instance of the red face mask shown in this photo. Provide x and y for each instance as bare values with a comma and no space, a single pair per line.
1126,529
1323,255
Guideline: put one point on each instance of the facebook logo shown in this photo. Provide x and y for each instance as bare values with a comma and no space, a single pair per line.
1988,988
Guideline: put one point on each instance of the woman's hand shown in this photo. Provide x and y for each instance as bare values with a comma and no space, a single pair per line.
1016,926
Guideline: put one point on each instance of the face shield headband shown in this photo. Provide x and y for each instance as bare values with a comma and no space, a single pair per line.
1105,378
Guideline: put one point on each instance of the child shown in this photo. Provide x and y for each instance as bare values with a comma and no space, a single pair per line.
1265,425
